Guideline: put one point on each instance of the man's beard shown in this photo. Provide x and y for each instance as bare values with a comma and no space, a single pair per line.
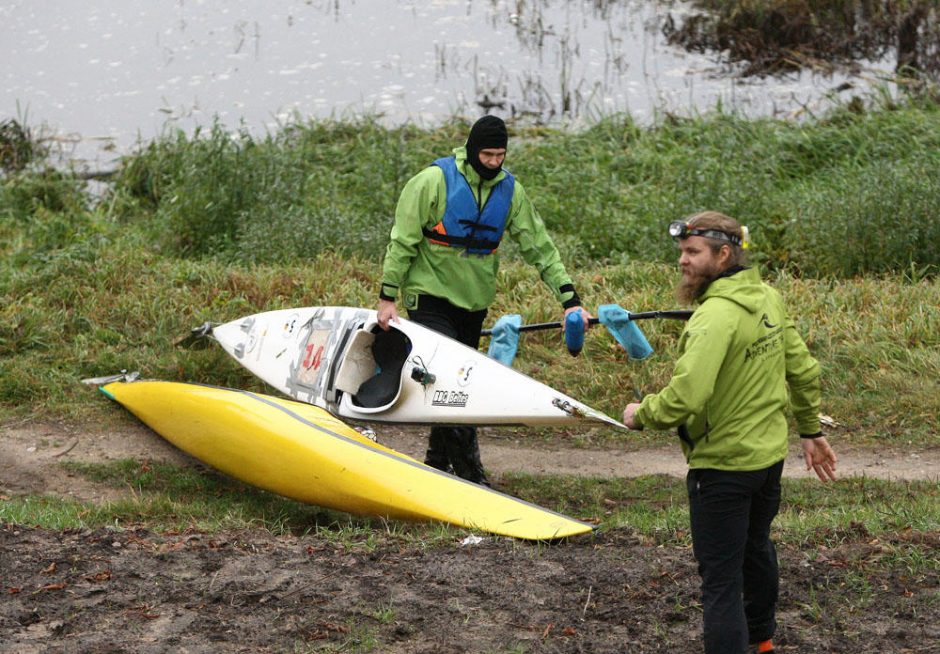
689,290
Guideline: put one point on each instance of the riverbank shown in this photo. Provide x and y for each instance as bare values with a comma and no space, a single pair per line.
332,583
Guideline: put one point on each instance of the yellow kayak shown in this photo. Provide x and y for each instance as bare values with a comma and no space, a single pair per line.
302,452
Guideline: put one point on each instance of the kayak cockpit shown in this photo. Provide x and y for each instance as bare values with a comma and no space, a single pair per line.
370,374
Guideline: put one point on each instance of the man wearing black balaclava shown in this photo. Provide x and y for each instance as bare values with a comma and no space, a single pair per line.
487,134
442,259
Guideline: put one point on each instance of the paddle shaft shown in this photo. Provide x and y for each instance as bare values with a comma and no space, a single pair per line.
678,314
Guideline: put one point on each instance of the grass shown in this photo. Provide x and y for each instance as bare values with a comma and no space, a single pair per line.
902,517
215,226
811,512
168,498
876,337
859,175
210,228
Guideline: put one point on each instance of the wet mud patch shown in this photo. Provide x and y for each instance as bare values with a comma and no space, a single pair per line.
137,591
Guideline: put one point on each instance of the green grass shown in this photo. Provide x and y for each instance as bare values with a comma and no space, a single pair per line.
811,512
877,338
850,192
173,498
167,497
902,516
842,207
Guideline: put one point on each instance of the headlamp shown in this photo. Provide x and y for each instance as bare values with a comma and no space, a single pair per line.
678,229
682,230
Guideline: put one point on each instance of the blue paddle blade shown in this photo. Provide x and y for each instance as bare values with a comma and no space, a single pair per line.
504,339
574,332
617,321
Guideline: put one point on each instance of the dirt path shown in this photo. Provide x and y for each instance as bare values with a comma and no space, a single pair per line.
30,454
131,590
501,455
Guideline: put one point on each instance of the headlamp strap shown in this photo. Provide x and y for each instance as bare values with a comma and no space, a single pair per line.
680,229
734,239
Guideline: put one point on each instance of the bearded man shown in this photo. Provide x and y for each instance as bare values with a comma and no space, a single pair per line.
742,364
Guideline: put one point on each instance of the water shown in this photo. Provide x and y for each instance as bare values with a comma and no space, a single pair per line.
99,76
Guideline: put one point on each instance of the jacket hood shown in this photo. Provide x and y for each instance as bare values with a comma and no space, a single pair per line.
743,288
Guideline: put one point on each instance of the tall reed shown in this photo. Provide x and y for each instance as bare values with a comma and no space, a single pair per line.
605,193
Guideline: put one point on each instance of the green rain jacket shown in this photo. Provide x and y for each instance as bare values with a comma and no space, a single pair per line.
728,394
414,266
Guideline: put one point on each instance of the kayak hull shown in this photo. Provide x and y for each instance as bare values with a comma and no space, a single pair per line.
302,452
330,357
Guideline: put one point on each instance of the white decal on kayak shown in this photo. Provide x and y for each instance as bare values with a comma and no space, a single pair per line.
450,398
463,373
252,341
290,325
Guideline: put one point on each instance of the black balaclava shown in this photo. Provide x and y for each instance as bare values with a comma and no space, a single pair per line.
488,132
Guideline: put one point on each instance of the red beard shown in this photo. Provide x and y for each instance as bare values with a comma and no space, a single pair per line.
692,288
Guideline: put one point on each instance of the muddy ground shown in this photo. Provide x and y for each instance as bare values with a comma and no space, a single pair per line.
113,591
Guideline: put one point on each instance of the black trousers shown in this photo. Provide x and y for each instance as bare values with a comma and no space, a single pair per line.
731,513
452,448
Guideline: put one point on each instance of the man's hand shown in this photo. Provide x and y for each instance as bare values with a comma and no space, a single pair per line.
628,414
585,315
820,457
387,312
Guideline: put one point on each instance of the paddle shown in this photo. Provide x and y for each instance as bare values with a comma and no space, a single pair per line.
677,314
618,321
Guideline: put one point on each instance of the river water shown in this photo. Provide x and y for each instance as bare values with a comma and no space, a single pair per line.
99,76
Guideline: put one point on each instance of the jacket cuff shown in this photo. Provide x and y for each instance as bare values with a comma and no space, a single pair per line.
388,292
574,300
816,435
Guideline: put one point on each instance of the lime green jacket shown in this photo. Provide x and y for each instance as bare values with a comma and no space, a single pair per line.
414,266
739,354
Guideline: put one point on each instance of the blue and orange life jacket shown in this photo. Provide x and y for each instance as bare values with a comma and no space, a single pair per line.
465,224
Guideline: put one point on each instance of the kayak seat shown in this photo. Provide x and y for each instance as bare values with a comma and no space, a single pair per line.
357,364
390,350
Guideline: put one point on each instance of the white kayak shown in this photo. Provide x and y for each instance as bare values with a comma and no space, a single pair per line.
339,359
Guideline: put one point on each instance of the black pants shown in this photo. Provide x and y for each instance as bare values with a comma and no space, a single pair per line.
731,514
452,448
